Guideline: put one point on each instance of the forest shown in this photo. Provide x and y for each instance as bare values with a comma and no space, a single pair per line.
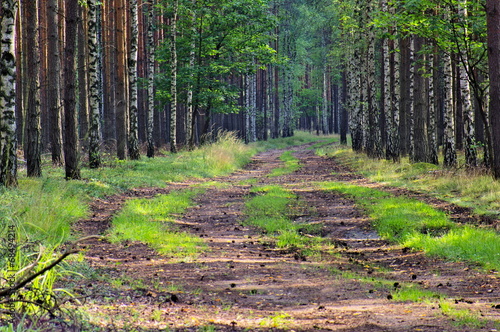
235,165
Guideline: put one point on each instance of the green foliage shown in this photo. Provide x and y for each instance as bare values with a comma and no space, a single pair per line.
229,37
152,221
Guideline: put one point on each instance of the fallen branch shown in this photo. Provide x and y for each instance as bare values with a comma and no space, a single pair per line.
70,249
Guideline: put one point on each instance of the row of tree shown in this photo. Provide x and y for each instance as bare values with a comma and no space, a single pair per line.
403,77
416,79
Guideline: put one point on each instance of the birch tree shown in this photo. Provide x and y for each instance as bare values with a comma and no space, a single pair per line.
133,134
95,91
465,94
151,73
173,78
449,148
8,143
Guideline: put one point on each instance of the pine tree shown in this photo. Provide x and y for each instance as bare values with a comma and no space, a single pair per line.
33,126
54,81
493,30
71,158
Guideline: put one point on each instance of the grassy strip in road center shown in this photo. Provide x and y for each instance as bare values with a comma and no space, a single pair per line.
152,221
291,165
272,210
415,224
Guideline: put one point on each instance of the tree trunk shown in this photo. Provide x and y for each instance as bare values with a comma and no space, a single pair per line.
8,143
355,102
151,72
121,102
449,150
133,136
95,90
33,144
465,92
493,30
433,144
54,81
411,97
189,101
344,120
83,86
70,129
173,77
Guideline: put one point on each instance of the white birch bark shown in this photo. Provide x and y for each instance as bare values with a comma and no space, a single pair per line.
467,110
151,73
95,91
433,144
450,153
8,143
411,96
189,101
173,78
133,137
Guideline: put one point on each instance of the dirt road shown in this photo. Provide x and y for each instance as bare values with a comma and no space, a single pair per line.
243,283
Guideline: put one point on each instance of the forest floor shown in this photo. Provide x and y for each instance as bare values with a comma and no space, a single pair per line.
243,282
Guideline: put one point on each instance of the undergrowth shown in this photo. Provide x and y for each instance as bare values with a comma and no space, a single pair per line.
272,210
474,188
415,224
291,164
152,221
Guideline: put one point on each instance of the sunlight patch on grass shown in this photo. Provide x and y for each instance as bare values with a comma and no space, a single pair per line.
151,221
291,165
464,243
415,224
473,189
271,210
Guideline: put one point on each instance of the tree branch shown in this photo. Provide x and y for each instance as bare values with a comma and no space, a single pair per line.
68,251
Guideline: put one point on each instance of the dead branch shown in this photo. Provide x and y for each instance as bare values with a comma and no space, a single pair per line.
70,249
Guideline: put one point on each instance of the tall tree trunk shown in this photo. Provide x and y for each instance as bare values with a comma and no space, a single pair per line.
433,143
354,101
151,72
8,143
465,92
82,59
95,90
493,30
449,151
344,120
33,144
421,114
70,128
54,81
121,81
189,101
133,136
173,77
411,97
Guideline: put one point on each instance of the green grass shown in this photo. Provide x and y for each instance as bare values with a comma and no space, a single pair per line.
291,165
272,211
472,189
299,138
415,224
152,221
